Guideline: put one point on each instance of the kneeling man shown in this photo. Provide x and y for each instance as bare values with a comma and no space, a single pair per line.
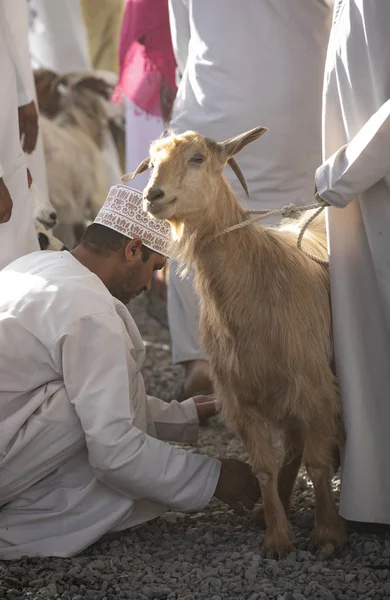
81,450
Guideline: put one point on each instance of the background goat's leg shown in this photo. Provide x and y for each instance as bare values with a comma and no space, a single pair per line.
328,532
265,459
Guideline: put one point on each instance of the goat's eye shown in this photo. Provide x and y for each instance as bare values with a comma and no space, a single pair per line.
198,159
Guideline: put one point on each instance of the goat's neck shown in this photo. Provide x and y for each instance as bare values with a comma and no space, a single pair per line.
76,117
223,210
211,254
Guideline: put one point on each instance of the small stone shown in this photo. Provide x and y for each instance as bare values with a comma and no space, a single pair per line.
37,583
316,568
155,592
350,577
386,587
170,517
98,565
216,584
49,591
369,547
251,574
146,557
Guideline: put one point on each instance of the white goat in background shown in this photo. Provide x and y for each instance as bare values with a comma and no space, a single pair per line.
79,159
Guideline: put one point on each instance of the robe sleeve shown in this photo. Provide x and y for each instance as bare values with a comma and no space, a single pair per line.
97,367
180,33
175,421
18,49
358,165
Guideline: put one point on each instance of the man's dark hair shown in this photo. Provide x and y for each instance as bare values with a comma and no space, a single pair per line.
103,240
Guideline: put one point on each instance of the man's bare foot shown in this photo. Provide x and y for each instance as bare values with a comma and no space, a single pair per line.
198,380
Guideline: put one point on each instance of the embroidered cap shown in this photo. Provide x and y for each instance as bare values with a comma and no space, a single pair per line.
122,211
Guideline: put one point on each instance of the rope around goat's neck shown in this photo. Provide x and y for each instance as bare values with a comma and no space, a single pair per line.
288,212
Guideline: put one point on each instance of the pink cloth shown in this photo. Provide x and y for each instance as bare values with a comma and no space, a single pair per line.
147,66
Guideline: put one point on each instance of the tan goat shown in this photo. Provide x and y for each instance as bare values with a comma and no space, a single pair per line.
265,325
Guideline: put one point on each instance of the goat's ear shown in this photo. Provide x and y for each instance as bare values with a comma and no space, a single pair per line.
140,169
235,144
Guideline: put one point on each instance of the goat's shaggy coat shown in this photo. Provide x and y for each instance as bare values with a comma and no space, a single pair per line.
265,325
74,128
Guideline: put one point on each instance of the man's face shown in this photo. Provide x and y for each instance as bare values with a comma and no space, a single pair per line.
134,276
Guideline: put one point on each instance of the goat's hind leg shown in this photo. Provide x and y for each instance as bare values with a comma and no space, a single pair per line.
328,531
287,474
258,441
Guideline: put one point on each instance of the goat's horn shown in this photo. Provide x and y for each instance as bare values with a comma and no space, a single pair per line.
71,78
240,176
140,169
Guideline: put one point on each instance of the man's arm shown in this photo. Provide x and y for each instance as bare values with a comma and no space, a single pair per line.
359,165
13,13
97,371
15,19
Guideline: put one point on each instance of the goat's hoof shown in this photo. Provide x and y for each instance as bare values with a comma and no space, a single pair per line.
328,540
324,552
258,516
278,546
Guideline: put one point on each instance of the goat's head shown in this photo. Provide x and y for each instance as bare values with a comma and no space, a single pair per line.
86,92
187,171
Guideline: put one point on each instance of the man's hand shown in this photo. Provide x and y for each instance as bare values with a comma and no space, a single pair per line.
318,197
206,406
28,126
5,202
237,486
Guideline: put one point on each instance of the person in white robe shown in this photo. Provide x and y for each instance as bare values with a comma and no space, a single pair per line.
17,232
58,40
81,450
355,180
18,20
243,66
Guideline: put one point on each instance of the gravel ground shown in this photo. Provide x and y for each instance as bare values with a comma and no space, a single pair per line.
213,555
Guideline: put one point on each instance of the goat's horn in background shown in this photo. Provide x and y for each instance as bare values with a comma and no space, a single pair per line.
238,142
240,176
140,169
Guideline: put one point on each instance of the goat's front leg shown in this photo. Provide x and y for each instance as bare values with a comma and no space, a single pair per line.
266,455
328,531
